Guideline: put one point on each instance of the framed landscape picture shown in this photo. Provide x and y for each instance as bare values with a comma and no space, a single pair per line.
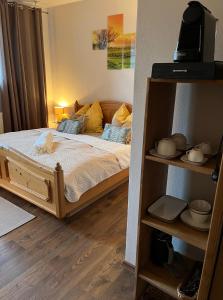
115,50
121,47
129,51
100,39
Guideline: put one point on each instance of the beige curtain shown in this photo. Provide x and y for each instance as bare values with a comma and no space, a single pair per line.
23,84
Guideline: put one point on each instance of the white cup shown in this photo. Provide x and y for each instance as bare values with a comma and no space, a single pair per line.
200,206
199,218
195,155
205,148
180,141
166,147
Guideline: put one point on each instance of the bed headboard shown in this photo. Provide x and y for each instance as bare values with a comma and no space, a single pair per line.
108,108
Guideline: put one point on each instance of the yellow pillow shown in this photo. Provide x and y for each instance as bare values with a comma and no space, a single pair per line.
83,110
120,116
94,119
128,119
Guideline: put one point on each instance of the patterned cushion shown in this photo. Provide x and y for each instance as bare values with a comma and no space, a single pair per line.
128,124
107,132
81,119
115,134
69,126
72,127
61,126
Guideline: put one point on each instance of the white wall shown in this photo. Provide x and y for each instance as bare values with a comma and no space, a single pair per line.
157,33
78,72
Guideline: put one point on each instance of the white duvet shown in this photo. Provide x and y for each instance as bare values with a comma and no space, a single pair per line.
86,160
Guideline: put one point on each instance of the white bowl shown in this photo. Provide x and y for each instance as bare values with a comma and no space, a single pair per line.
180,140
201,207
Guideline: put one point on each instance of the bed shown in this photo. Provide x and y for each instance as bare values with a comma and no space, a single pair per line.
45,185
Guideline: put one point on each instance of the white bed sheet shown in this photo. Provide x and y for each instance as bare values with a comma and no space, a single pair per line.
86,160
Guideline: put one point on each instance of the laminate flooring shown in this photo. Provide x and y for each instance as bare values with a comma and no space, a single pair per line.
77,258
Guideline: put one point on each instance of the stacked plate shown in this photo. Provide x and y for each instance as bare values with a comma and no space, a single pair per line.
167,208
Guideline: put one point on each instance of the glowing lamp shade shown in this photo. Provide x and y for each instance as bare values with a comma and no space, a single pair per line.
60,114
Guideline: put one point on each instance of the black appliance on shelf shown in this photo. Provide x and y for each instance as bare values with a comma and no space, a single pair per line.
162,251
196,71
194,56
197,35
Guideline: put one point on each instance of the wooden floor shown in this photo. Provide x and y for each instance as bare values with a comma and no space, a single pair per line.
80,258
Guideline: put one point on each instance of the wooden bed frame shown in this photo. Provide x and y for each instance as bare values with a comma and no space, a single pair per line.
44,186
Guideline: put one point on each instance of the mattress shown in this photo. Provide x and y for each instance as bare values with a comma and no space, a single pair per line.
86,160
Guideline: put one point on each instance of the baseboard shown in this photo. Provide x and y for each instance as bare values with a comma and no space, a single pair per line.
129,266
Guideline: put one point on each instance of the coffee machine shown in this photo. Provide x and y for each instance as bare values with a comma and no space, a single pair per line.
194,56
197,35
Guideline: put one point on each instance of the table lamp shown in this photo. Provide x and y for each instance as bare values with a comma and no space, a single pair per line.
60,114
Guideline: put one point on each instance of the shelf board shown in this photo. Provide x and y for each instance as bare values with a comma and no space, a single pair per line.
204,81
206,169
163,279
180,230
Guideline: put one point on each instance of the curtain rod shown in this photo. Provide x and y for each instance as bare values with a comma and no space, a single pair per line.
12,3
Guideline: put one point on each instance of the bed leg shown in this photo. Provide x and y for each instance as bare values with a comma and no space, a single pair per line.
60,207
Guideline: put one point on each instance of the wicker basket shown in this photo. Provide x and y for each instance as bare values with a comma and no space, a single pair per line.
179,292
184,297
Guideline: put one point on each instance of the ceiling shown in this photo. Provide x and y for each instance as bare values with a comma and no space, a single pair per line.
47,3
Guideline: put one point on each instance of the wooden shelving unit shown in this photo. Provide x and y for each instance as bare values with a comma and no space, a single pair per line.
162,279
207,169
180,230
160,107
